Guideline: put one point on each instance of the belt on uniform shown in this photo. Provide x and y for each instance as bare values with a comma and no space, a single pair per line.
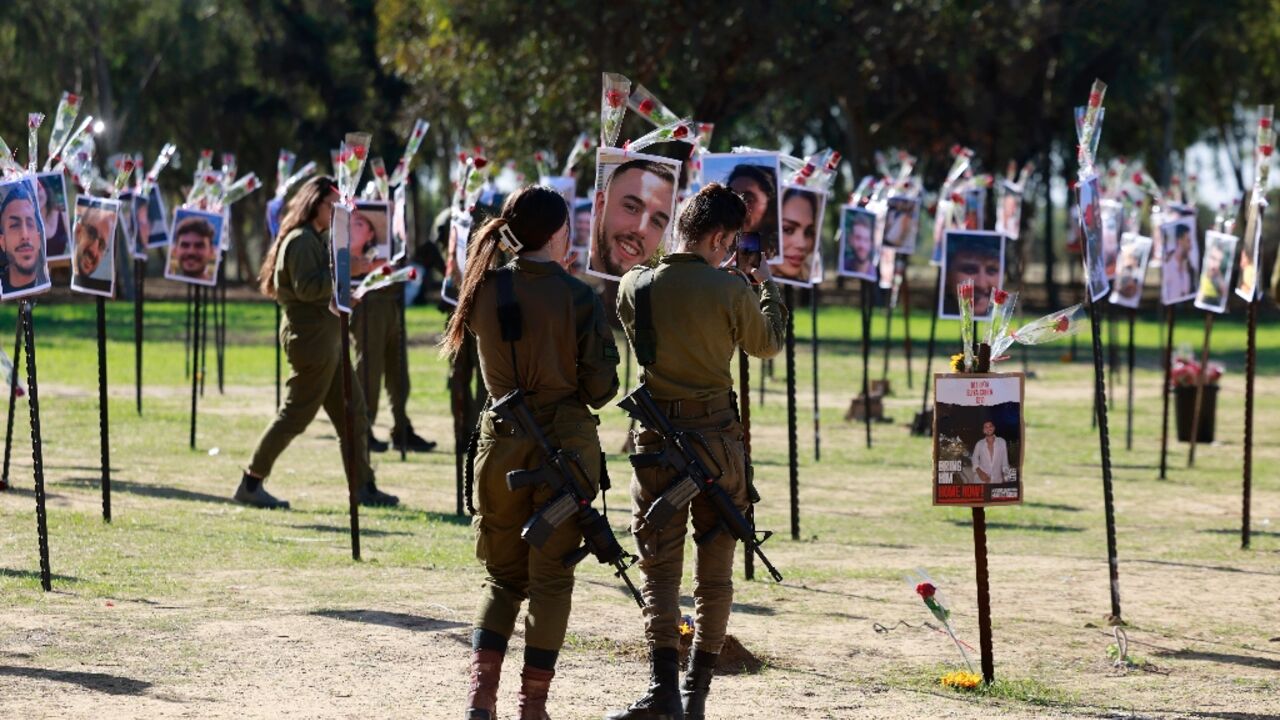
697,408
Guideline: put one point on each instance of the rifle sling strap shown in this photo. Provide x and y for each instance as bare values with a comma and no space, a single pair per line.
645,339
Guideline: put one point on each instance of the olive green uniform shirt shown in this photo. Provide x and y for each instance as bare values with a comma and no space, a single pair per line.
566,349
701,315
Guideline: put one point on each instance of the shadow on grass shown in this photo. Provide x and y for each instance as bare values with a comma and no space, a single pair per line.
404,621
1016,526
100,682
1233,715
364,532
1198,566
1236,532
1052,506
156,491
399,513
1225,658
35,575
28,492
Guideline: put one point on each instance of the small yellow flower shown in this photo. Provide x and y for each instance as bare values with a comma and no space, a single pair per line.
960,680
957,362
686,628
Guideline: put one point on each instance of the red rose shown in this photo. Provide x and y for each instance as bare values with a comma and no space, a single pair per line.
999,296
1095,99
73,99
380,171
386,269
206,153
645,107
413,274
538,157
417,132
480,162
209,180
1265,150
1062,325
1264,123
966,291
20,391
957,198
1137,178
955,150
586,144
680,132
615,98
926,590
359,151
251,185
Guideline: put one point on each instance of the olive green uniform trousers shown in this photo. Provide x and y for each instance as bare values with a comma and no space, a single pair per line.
375,330
515,570
662,551
314,351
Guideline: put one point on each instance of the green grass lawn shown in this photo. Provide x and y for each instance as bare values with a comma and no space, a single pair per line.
182,572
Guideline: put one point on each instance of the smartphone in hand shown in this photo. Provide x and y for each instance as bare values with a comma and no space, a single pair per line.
748,251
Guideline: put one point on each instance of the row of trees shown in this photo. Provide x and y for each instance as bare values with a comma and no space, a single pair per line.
252,76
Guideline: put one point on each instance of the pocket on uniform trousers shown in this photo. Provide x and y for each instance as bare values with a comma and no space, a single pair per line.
482,540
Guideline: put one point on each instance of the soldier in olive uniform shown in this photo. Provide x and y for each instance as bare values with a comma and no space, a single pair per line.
565,363
698,317
296,273
375,330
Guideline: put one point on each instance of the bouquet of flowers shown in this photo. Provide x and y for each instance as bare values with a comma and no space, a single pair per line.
384,276
934,601
1185,372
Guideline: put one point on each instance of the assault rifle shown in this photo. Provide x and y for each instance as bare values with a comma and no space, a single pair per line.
682,454
562,472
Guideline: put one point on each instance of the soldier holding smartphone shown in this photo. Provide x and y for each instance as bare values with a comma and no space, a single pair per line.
686,320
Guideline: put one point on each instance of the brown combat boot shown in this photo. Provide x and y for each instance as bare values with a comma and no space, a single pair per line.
482,698
534,685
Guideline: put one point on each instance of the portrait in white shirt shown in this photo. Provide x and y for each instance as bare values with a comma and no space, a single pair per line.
990,456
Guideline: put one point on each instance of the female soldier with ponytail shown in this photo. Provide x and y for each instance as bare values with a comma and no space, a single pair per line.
296,273
562,357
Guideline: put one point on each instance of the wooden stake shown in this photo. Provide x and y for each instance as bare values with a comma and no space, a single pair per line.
984,594
348,451
793,445
1168,378
37,446
1104,441
104,421
1200,380
1251,369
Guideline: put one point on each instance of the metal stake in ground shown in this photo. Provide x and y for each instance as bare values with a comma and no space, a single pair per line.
195,365
920,427
866,355
793,445
813,342
744,412
37,450
277,334
984,594
220,330
1251,369
348,421
888,336
139,277
202,325
904,299
1104,441
1128,434
13,397
1200,378
104,421
187,335
404,372
1168,377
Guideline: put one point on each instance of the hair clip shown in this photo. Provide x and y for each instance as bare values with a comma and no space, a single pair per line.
508,239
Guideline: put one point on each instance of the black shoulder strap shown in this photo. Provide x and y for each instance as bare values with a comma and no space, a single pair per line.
510,319
646,340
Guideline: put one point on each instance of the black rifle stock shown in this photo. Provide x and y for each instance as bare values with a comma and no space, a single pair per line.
561,471
693,477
